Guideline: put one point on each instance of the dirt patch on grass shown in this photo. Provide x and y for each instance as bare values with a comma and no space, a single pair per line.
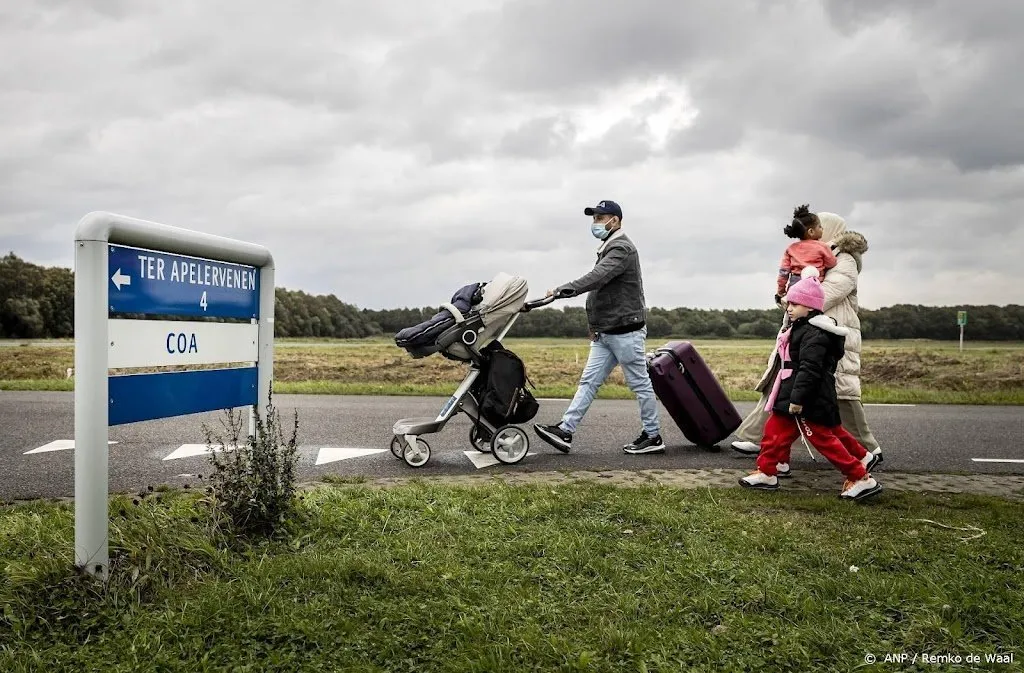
937,370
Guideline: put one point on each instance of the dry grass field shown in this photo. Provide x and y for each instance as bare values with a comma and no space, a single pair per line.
893,371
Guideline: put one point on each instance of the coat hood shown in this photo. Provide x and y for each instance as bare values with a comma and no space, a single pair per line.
832,225
853,244
829,325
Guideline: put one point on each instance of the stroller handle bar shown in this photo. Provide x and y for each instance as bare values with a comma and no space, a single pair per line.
537,303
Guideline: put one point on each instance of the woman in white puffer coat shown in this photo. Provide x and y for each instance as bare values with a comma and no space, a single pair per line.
840,285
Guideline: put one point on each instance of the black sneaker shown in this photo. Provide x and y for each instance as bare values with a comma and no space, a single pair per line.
555,436
645,444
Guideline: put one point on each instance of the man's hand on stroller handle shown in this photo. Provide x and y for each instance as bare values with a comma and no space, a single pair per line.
548,298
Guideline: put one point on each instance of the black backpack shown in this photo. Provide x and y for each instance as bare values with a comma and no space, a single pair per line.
502,392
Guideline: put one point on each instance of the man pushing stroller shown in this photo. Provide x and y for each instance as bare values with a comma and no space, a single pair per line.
616,317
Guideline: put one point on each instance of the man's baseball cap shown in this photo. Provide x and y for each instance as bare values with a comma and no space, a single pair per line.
604,208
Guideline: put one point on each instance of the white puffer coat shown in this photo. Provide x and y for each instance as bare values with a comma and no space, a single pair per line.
840,285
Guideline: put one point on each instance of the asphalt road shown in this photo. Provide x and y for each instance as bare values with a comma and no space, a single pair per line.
923,438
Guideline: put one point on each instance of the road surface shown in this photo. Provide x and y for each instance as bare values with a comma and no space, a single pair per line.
338,435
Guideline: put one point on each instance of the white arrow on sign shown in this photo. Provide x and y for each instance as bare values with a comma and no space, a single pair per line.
120,279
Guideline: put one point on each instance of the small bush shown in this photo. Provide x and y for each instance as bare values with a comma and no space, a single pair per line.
254,484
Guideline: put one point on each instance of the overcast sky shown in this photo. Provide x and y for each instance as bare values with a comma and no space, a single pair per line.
390,152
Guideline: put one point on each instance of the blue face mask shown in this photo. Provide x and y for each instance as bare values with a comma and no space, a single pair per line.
598,230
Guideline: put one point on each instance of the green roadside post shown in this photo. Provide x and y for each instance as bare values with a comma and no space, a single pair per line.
961,320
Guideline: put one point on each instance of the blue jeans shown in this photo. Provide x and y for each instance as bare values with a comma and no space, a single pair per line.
606,352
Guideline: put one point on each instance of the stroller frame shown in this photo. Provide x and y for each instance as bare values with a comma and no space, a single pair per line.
508,443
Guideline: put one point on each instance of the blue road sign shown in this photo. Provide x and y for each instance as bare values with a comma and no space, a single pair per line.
158,283
144,397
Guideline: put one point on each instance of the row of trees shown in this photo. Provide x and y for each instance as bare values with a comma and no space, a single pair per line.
986,323
38,302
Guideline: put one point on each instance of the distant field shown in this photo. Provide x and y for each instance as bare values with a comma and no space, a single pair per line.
894,371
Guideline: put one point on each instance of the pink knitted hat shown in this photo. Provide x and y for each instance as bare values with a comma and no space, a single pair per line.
807,291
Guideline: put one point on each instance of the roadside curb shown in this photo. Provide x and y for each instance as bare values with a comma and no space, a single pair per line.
1006,486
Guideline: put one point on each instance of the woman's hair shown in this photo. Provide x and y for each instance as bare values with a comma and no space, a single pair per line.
803,219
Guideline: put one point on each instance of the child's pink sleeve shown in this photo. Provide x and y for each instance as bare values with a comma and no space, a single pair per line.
828,259
785,264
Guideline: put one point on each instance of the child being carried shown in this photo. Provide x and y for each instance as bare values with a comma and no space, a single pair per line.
807,251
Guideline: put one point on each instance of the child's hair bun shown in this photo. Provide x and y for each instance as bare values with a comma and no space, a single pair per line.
802,217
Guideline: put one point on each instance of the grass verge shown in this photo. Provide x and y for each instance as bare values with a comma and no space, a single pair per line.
521,578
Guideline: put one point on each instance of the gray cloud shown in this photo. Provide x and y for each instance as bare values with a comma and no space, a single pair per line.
538,138
391,152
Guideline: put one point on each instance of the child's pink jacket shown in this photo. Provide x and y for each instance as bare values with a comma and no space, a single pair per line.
800,255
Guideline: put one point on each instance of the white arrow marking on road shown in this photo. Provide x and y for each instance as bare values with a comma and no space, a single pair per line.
120,279
58,445
883,404
482,460
332,454
189,450
998,460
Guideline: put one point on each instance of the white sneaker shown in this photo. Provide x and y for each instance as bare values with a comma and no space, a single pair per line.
748,448
858,490
758,479
870,460
783,470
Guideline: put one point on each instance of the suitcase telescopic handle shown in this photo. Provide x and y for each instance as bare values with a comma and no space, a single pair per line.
675,356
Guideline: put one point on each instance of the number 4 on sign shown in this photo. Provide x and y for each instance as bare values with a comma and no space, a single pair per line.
202,301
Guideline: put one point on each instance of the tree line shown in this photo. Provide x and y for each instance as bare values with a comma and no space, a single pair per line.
38,302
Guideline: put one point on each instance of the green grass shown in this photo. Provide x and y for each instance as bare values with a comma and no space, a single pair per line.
65,385
520,578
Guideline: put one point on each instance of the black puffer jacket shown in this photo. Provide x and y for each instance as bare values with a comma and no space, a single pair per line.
816,345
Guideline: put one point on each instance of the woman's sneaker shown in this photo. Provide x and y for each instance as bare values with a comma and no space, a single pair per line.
555,436
783,470
863,488
746,448
871,459
645,444
760,480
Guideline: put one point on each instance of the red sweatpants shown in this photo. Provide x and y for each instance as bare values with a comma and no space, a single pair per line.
836,444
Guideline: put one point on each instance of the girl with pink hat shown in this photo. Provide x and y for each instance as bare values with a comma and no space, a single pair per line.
803,398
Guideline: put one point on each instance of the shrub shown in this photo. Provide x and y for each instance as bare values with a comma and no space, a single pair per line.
254,484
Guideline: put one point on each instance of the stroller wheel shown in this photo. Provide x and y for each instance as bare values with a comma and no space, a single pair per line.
510,444
397,447
479,439
417,456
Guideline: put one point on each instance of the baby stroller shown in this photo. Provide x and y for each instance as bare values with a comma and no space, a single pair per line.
470,329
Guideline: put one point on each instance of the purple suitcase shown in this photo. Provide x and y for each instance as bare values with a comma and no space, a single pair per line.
691,394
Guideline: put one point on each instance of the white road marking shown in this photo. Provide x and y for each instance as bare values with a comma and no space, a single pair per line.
482,460
58,445
880,404
998,460
333,454
190,450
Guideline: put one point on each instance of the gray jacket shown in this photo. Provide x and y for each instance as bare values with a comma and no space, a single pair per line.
616,300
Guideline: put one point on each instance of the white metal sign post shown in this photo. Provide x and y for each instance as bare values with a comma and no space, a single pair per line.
961,320
131,266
